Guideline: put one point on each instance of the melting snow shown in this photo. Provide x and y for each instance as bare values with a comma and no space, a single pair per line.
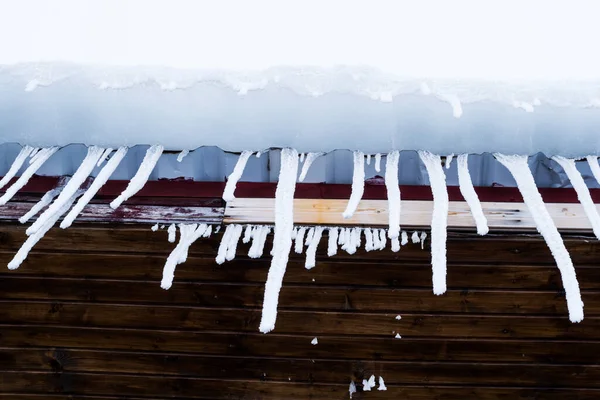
311,251
16,165
310,158
282,242
358,184
141,176
393,193
439,220
518,167
468,192
234,177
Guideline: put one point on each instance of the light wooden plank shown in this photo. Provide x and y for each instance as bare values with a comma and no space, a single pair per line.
414,214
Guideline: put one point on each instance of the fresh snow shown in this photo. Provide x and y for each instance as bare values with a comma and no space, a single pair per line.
182,155
40,205
393,193
311,251
282,242
299,240
16,165
310,158
381,384
332,241
172,232
468,192
39,234
314,342
358,184
100,180
42,156
439,219
583,193
85,169
234,177
141,176
518,167
378,162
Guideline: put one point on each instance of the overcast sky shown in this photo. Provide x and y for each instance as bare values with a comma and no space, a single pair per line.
430,38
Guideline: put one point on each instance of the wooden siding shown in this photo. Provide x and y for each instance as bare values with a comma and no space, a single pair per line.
84,317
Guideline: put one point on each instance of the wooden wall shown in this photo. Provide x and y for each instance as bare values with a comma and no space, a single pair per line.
84,318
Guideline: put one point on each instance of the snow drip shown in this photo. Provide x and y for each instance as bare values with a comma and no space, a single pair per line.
311,251
39,234
439,219
235,176
583,193
393,193
468,192
96,185
40,158
16,165
85,169
141,176
358,184
310,158
189,233
282,242
518,167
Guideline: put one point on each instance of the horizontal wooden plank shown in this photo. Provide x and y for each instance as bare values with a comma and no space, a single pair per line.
329,271
254,344
132,385
414,213
297,322
297,370
293,297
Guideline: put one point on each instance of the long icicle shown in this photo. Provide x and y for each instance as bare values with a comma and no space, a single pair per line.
282,242
141,176
234,177
393,193
16,165
439,219
468,191
42,156
96,185
85,169
358,184
310,158
518,167
44,201
583,193
593,163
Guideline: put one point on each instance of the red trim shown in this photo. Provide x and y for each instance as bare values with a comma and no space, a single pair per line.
196,190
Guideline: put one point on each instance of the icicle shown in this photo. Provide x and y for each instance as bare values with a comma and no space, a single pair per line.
141,176
217,229
367,385
369,242
518,167
182,155
154,228
301,157
311,251
342,236
310,158
393,193
188,235
415,237
35,155
592,161
352,240
104,156
423,237
368,159
395,245
225,243
233,242
234,177
583,193
284,224
314,342
358,184
34,238
404,238
382,239
16,165
172,231
352,389
468,192
39,206
449,159
299,243
41,158
398,336
439,220
381,384
259,237
85,169
247,234
34,152
100,180
294,233
378,162
207,232
309,236
332,242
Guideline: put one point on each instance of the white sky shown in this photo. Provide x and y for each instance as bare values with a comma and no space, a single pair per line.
429,38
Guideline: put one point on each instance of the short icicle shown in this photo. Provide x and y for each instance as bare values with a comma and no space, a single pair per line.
518,167
311,251
299,240
225,243
358,184
234,177
393,193
465,185
16,165
310,158
233,242
104,156
40,205
141,176
172,233
189,233
282,242
439,219
332,241
378,162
